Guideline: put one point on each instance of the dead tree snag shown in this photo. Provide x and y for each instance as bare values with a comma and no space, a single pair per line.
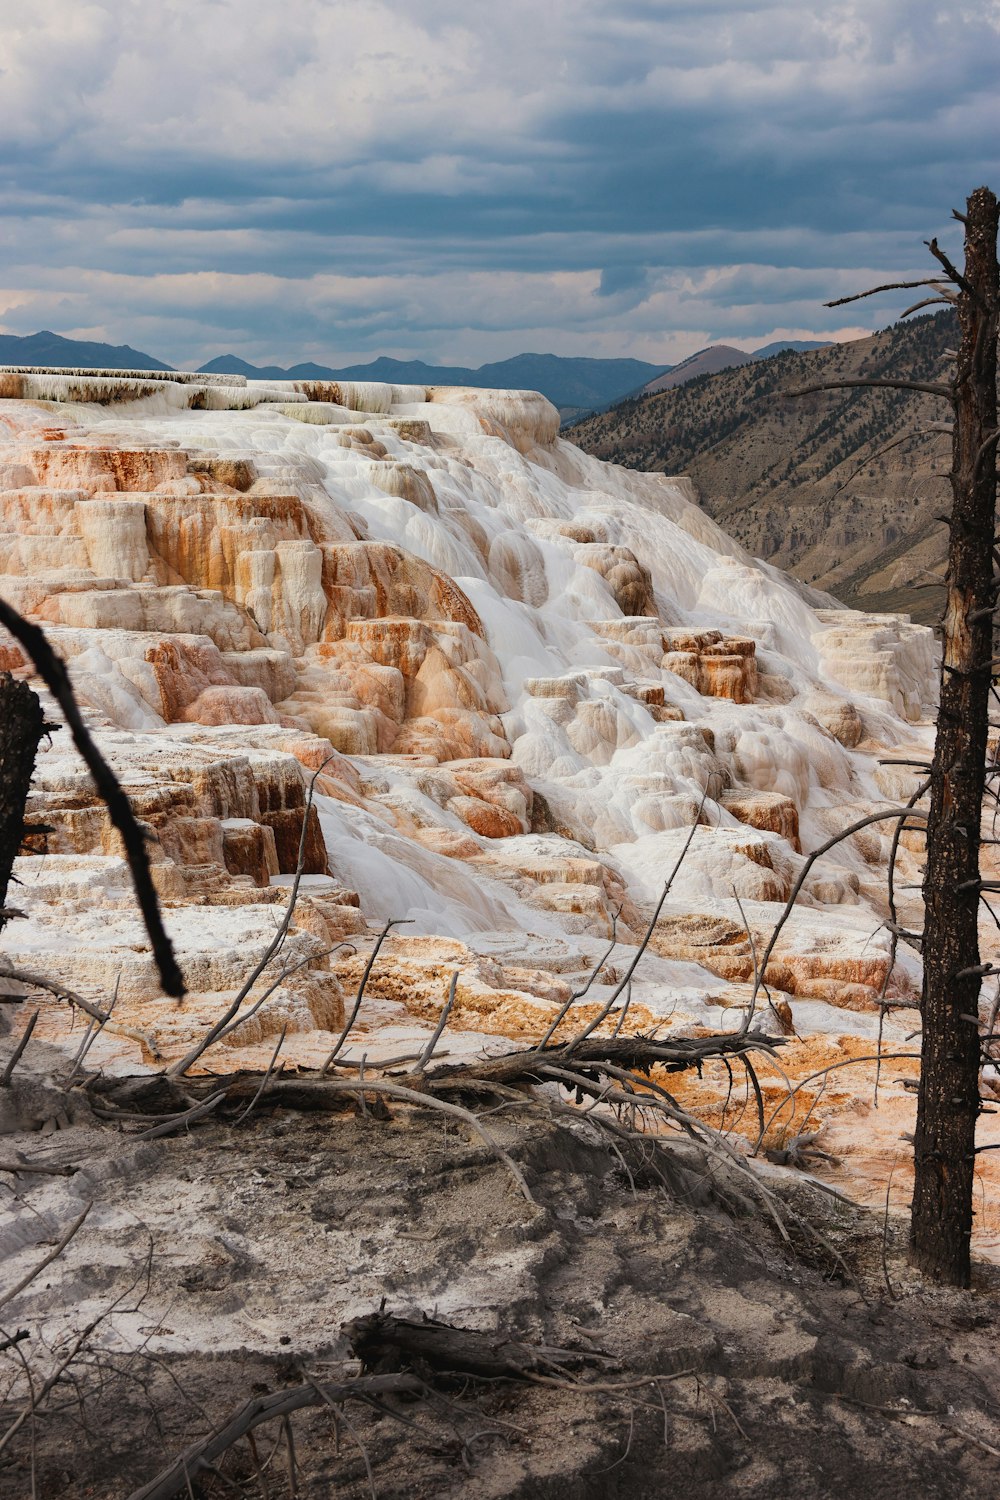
948,1101
951,1049
22,724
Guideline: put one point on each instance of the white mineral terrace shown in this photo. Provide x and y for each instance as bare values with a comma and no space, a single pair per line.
522,670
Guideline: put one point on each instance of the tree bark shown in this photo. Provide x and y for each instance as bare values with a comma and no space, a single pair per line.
22,724
948,1100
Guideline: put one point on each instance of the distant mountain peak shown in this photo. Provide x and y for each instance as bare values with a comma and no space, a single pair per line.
576,385
48,348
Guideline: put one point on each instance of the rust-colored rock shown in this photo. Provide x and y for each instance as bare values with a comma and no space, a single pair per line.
768,811
718,666
249,849
286,825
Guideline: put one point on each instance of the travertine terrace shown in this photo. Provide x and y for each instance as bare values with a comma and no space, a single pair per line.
522,672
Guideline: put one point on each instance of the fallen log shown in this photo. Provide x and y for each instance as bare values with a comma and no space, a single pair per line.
387,1344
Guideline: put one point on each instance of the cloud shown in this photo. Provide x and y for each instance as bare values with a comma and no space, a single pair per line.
333,180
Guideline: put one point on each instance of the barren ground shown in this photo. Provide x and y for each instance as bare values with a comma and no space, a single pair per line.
224,1262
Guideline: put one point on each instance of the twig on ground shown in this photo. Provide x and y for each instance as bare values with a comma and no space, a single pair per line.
342,1039
200,1455
53,1254
167,1127
16,1055
428,1051
178,1069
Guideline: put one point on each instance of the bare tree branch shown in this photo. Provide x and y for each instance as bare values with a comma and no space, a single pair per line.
952,272
53,1254
930,389
888,286
178,1069
56,678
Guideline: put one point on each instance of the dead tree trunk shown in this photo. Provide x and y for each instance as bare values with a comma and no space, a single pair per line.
948,1101
21,727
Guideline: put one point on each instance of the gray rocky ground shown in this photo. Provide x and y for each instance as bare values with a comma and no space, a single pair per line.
222,1262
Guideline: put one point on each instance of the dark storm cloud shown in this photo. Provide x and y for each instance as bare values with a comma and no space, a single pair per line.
463,181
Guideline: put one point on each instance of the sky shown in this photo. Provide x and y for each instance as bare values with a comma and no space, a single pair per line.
464,180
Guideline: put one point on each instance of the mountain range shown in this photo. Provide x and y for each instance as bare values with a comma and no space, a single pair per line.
573,385
841,488
48,348
577,386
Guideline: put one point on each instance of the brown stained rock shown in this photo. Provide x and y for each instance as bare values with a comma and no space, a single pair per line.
838,716
717,666
183,669
231,705
454,734
769,811
486,818
842,977
372,580
219,469
401,643
650,693
249,849
406,482
100,469
412,430
447,841
628,579
12,658
545,820
200,538
188,841
286,825
495,781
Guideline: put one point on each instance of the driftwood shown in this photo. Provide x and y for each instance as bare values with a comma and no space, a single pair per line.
611,1071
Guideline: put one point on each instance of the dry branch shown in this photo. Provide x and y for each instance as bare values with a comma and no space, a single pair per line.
896,813
929,388
888,286
199,1459
386,1344
16,1055
56,678
231,1016
53,1254
390,1347
54,987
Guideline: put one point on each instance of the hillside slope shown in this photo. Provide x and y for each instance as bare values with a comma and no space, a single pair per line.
715,358
48,348
841,488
